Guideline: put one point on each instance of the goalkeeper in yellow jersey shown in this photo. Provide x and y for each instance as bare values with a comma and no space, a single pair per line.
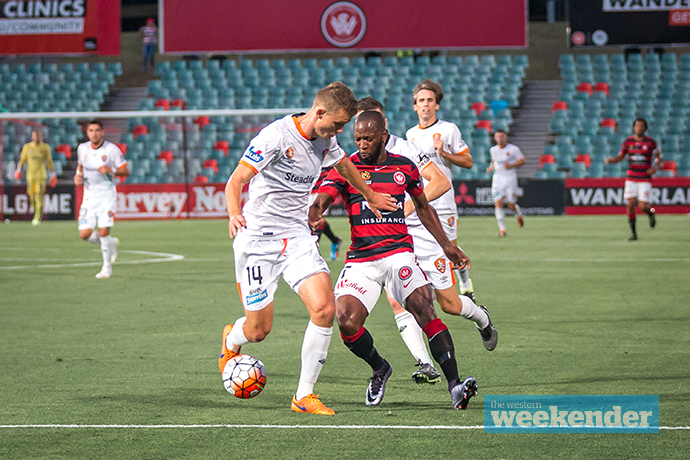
36,154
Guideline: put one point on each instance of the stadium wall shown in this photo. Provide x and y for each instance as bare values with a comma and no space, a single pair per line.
207,201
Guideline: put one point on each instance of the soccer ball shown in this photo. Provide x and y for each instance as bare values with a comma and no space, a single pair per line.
244,376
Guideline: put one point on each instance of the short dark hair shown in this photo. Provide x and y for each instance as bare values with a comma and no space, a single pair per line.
372,116
370,103
95,122
642,120
430,85
337,96
501,131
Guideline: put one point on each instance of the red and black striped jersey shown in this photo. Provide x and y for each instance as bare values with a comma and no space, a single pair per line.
322,176
640,156
374,238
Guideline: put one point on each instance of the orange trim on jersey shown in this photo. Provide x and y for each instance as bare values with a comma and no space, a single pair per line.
282,251
425,166
299,129
239,291
452,275
249,166
342,159
467,150
421,127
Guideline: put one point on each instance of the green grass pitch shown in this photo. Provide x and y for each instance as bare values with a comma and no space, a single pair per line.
578,311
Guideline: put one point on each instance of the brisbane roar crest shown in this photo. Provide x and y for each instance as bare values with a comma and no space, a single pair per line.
290,152
104,157
440,264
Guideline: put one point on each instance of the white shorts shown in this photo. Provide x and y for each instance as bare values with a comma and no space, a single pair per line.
399,274
260,262
97,211
505,189
431,258
639,190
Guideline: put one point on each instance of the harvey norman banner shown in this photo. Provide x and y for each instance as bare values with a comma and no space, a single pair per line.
60,27
275,25
605,196
629,22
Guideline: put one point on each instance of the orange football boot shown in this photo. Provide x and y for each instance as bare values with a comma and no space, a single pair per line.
225,354
311,405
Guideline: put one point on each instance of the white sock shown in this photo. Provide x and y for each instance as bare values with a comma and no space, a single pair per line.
413,336
471,311
518,210
94,238
500,217
464,279
314,351
106,242
236,338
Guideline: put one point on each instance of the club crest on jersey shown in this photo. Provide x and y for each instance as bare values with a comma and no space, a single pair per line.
404,273
440,264
103,158
254,155
437,136
366,175
290,152
399,178
451,221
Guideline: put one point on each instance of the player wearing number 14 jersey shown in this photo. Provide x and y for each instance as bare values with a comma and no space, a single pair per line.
272,238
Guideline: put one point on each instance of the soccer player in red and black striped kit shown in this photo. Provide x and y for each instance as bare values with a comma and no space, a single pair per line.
381,256
641,151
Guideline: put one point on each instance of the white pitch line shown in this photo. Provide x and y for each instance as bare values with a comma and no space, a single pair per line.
164,258
291,427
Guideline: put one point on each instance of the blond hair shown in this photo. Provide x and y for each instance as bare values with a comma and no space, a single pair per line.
336,96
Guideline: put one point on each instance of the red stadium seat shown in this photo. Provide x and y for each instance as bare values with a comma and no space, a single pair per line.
585,87
583,158
484,124
222,145
178,104
200,178
546,158
559,105
213,164
478,107
166,155
123,148
609,123
66,149
202,121
163,103
669,166
602,87
140,129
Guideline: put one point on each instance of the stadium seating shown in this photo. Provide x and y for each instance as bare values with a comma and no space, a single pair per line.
600,97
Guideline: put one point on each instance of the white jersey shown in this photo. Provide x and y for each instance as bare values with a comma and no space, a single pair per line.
287,164
407,149
452,143
108,154
500,156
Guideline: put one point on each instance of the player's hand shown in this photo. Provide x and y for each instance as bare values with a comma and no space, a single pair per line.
457,258
236,224
315,218
438,144
53,181
105,169
651,171
489,169
18,174
382,201
78,179
607,161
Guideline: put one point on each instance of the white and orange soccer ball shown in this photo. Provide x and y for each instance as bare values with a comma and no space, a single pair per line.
244,376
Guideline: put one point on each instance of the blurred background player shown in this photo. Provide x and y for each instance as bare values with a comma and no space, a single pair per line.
638,183
282,162
505,158
443,143
149,36
99,162
381,256
430,256
325,228
36,154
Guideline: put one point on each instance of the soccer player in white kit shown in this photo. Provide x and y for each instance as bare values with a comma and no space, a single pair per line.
505,158
272,237
98,163
431,258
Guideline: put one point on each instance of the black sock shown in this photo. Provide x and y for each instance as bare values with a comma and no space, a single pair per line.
443,351
362,345
632,225
329,233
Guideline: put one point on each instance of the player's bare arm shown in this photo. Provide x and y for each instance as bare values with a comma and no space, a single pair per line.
429,218
617,159
233,193
79,176
657,163
376,200
437,186
320,204
490,168
462,160
517,164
